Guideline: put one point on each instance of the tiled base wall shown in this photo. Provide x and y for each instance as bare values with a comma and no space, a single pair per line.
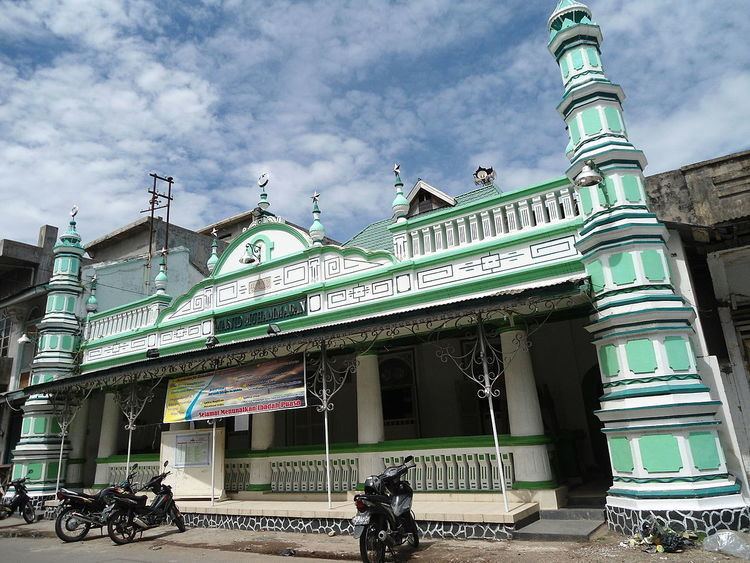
627,521
427,529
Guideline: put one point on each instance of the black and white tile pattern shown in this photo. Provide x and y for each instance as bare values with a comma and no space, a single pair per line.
627,521
428,529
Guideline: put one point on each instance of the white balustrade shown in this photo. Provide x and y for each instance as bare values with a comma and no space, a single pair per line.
117,472
523,214
141,315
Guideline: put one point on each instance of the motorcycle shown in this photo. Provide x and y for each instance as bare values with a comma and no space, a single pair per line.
131,515
79,512
19,501
384,518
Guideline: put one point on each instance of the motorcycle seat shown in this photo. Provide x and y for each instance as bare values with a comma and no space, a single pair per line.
70,493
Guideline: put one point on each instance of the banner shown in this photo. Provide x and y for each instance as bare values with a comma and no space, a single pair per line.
268,386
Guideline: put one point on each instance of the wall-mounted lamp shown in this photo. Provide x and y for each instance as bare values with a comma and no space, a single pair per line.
252,254
24,339
211,341
152,353
273,330
589,175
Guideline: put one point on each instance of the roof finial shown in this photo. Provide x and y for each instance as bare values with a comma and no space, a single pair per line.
400,205
160,281
263,181
214,258
91,303
317,231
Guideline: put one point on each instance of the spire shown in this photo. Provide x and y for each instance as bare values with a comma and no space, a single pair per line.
160,281
214,258
263,202
400,205
317,231
71,236
91,303
568,13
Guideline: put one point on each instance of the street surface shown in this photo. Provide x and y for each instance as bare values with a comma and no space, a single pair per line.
22,543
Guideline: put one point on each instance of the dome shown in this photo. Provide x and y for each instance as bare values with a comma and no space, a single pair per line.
568,13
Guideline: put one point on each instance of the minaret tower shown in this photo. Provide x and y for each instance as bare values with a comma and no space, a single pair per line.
59,330
317,231
660,419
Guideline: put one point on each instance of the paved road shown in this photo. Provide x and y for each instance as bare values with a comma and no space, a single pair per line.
38,550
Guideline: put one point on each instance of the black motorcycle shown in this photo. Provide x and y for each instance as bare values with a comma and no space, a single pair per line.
20,501
384,518
79,512
131,514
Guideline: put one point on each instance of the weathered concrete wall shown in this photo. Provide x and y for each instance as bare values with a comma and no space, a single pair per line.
705,193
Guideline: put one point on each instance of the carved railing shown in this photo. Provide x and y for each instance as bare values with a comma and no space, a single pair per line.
126,318
501,217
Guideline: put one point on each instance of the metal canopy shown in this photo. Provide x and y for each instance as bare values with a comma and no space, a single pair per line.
527,303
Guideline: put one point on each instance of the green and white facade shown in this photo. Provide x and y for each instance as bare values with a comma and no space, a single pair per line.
566,278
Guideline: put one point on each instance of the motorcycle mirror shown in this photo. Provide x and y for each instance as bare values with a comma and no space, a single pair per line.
134,467
29,472
409,459
166,463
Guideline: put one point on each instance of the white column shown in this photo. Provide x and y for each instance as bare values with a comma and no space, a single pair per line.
369,402
107,436
77,439
370,428
531,463
261,438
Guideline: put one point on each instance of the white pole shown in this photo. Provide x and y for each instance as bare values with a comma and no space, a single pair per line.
59,463
328,454
130,441
213,460
488,391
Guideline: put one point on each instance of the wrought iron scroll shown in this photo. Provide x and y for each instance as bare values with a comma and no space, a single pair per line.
66,403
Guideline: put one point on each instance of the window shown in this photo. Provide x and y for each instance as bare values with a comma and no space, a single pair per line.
5,326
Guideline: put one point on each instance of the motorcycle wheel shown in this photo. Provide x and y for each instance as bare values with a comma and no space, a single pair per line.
178,519
412,532
68,528
29,513
4,513
121,528
371,548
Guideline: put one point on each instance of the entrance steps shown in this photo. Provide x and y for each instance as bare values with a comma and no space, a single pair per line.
565,524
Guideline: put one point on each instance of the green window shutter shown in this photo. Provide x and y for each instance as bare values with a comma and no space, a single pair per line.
575,132
36,471
678,354
585,196
703,448
631,188
52,341
608,362
564,67
25,426
614,122
622,268
641,356
596,272
52,470
577,56
592,123
593,56
622,456
660,453
653,267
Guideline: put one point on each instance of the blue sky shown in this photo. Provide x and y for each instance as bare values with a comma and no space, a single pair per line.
328,95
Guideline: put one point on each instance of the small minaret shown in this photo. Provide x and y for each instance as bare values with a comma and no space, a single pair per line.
160,281
57,348
214,258
317,231
263,202
400,205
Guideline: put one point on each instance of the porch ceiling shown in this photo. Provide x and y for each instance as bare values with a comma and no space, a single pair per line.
531,302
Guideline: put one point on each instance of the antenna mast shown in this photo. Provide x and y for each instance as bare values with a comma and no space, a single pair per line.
158,200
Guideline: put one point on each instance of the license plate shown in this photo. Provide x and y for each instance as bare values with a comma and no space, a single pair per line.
361,519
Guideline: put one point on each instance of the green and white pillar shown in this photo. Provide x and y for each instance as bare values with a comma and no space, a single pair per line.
659,417
59,332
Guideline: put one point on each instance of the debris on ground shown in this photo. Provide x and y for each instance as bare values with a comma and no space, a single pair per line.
656,537
288,552
729,542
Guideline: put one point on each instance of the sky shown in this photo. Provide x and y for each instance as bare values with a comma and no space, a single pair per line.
327,96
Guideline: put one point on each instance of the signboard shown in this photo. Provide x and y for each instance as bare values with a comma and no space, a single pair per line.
268,386
193,450
262,316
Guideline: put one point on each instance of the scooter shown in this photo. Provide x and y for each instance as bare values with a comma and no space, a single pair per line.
131,515
19,501
384,518
79,512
